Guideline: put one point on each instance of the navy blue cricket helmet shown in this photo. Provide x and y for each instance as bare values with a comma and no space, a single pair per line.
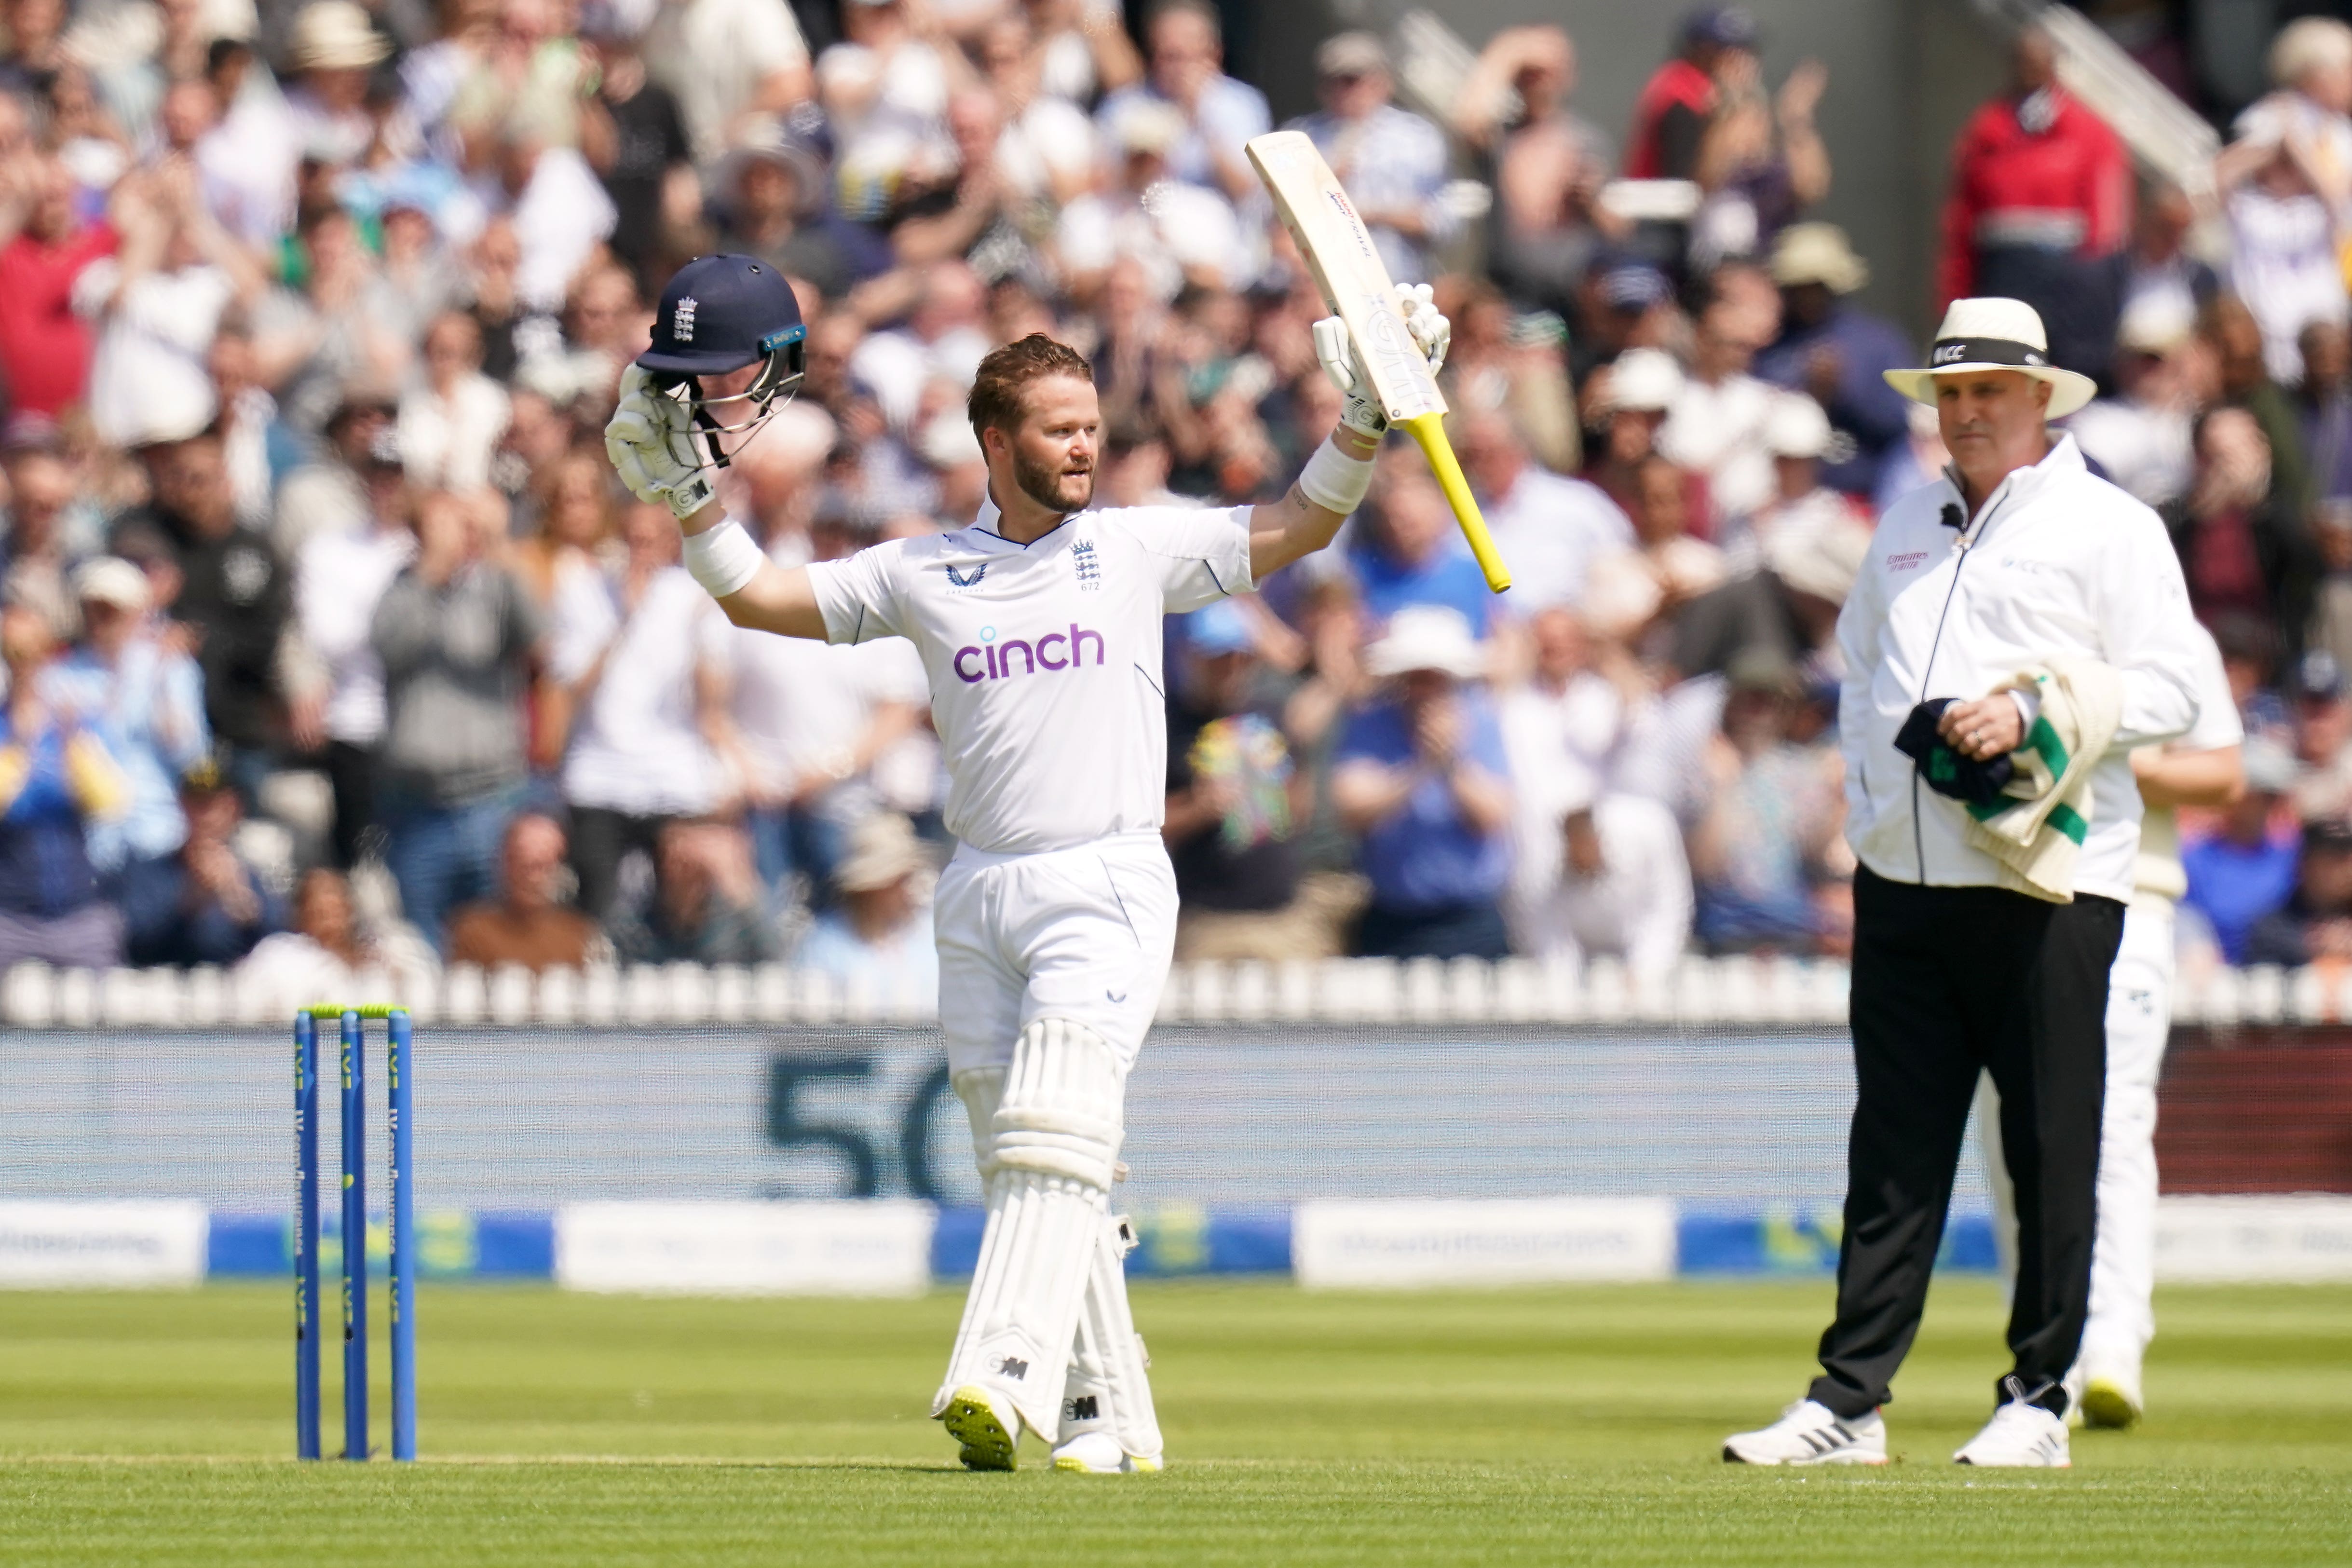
718,314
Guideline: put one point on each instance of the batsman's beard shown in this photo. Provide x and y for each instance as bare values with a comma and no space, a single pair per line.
1050,484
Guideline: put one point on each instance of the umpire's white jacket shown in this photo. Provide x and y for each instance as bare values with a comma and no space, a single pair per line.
2059,561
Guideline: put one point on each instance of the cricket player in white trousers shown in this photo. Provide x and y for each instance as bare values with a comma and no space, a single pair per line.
1039,626
2202,767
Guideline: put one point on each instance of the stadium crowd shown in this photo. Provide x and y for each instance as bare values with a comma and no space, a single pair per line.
331,641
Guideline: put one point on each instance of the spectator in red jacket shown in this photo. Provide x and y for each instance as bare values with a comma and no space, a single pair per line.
2041,188
45,347
1671,116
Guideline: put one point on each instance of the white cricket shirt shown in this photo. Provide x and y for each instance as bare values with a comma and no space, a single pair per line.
2158,871
2058,561
1044,659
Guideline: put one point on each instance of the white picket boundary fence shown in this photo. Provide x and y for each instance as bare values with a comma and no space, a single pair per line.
1712,992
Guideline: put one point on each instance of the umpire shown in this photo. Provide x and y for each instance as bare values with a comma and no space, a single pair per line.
2017,557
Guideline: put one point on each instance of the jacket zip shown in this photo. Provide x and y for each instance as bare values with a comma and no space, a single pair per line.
1970,539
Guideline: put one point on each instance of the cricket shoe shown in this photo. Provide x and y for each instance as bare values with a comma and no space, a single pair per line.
2110,1396
2018,1437
1809,1433
984,1421
1099,1454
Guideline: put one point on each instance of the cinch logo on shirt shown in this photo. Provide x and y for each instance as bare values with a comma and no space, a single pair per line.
993,660
1905,562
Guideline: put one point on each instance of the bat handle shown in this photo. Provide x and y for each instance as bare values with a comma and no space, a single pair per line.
1429,429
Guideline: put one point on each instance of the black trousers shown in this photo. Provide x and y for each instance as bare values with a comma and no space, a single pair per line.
600,839
1947,981
350,773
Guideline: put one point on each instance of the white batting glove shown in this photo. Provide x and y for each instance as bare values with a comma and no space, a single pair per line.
1431,334
1336,352
645,439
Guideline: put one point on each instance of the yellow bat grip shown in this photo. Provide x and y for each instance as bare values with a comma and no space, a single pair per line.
1429,429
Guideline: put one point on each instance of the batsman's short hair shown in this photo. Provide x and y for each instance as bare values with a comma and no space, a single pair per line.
995,403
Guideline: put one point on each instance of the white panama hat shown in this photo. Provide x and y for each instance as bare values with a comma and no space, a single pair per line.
336,35
1994,334
1796,427
1427,636
1642,381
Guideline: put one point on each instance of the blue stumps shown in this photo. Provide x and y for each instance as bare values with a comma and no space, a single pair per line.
306,1238
399,1088
355,1355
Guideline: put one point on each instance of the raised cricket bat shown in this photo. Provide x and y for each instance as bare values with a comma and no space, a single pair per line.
1359,291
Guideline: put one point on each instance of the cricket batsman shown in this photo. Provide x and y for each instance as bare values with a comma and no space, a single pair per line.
1039,627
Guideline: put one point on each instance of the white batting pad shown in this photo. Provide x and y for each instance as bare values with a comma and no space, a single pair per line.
982,1089
1061,1113
1109,1388
1056,1136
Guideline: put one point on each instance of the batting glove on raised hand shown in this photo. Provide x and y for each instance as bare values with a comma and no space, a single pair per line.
645,438
1431,334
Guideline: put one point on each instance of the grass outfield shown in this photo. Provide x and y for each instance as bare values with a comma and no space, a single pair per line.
1532,1427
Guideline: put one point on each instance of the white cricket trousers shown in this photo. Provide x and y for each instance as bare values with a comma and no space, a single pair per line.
2139,1020
1084,933
2123,1258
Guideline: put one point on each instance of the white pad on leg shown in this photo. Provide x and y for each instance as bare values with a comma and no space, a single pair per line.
1110,1387
982,1089
1055,1144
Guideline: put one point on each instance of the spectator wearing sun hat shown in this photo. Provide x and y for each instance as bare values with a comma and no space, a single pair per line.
335,48
1391,161
1421,774
1627,402
879,940
2143,435
1836,352
772,188
148,695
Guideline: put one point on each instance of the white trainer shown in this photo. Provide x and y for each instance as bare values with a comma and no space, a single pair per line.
1809,1433
2018,1437
1099,1454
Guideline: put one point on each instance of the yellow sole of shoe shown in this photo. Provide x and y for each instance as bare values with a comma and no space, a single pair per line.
971,1420
2104,1403
1135,1467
